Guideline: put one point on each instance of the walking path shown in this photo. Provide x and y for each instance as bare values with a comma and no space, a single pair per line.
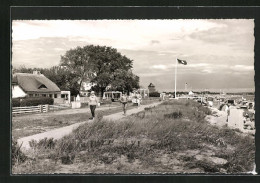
61,132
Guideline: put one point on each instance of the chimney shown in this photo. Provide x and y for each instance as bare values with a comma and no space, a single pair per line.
36,72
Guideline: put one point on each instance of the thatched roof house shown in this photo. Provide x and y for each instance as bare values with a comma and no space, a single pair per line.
36,84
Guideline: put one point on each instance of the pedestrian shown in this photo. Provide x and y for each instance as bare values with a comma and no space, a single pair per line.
139,99
228,111
93,102
123,100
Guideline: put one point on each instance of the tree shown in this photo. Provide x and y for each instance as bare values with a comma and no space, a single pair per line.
63,78
22,69
125,81
99,64
76,61
107,65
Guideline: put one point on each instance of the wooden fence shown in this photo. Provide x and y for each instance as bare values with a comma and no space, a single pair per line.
39,108
59,107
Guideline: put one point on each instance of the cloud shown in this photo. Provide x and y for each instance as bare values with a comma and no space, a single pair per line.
243,68
198,65
207,71
230,34
42,52
161,67
155,42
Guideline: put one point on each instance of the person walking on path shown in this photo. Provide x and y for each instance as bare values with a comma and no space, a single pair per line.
123,100
93,102
228,111
139,99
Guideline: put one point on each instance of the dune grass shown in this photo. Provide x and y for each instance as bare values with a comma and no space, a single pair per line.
168,138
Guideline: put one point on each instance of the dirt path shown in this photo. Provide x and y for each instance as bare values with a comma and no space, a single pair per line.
61,132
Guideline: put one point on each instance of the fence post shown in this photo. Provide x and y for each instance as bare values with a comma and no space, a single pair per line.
40,106
47,107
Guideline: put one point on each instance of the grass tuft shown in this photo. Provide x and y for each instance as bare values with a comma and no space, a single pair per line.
17,155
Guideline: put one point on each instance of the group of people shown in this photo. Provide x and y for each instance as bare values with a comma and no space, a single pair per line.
93,102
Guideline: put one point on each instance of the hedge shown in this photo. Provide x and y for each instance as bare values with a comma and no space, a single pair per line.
154,94
16,102
33,101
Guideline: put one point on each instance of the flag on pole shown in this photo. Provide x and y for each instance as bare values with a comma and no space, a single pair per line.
182,62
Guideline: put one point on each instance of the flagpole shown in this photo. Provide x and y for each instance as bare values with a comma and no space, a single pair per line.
175,96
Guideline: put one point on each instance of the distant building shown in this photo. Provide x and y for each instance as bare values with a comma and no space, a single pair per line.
191,93
151,88
86,87
33,85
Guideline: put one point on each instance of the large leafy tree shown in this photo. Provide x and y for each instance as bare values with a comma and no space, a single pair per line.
99,64
125,81
76,61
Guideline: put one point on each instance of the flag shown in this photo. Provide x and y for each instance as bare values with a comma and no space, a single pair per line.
182,62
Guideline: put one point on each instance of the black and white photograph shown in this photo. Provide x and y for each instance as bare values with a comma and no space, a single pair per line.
133,96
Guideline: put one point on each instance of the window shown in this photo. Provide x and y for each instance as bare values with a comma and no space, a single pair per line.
42,87
44,95
55,95
30,95
50,95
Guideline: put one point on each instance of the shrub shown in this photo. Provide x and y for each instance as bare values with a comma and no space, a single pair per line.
205,110
34,101
83,105
154,94
43,143
17,155
67,159
15,102
174,115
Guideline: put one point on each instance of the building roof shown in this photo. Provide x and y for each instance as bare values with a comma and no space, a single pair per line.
151,85
14,80
34,83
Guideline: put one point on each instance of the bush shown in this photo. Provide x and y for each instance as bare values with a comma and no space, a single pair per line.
34,101
83,105
17,155
15,102
43,143
174,115
154,94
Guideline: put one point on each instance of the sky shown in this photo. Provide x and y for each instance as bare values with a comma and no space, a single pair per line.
219,52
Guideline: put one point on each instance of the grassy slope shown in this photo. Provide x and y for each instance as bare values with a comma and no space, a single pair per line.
170,138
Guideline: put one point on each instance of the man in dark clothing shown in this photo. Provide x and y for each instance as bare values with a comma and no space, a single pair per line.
93,102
